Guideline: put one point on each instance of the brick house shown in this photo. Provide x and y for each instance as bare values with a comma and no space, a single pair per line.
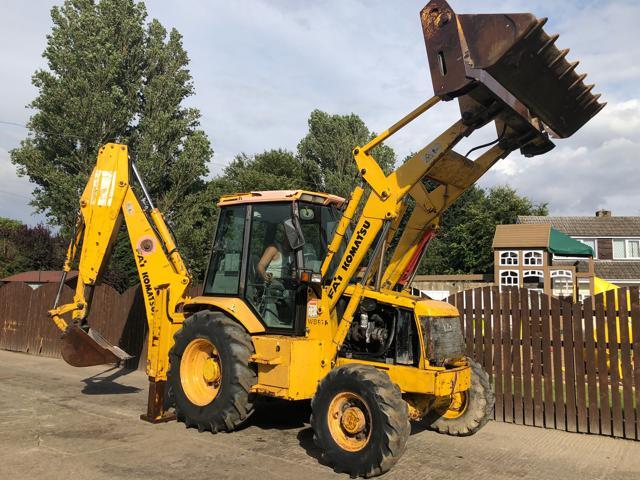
614,240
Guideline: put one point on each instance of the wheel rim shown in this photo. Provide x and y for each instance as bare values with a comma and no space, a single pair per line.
458,405
200,372
349,421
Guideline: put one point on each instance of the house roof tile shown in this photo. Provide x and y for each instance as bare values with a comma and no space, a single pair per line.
617,270
588,226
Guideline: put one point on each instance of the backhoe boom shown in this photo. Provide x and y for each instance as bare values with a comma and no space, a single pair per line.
107,200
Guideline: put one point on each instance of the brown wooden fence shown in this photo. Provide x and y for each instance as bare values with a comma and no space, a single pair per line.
557,364
25,326
554,364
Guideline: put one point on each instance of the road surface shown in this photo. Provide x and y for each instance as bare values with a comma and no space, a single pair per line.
61,422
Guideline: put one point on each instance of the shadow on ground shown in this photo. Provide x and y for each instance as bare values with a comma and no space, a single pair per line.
103,383
280,414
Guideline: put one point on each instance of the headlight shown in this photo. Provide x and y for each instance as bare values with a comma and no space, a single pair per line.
443,339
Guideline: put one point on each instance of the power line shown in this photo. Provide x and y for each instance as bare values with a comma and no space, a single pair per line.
14,124
314,186
55,134
6,192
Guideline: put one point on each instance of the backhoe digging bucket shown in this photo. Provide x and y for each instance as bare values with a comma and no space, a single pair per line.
507,63
82,349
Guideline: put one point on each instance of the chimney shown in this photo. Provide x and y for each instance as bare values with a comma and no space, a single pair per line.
603,213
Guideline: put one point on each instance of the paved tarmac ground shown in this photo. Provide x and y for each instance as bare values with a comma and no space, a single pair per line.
61,422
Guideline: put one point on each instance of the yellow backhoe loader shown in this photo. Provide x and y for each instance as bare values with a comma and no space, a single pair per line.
303,297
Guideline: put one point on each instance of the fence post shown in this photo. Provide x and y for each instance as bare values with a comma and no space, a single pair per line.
603,377
625,361
496,298
558,382
516,338
507,384
579,358
591,367
547,366
635,324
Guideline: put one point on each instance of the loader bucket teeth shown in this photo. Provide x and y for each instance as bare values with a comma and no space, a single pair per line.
82,349
510,60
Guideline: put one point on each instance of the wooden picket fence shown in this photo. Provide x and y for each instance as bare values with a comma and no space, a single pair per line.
119,317
554,364
557,364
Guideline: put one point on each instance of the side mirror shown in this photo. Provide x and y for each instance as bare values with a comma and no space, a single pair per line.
294,233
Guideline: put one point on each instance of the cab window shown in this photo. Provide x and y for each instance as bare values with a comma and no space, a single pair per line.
223,275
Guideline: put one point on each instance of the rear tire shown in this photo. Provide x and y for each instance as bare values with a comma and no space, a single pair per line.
464,418
360,421
218,401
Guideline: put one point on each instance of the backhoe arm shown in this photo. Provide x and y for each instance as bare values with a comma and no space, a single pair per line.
108,198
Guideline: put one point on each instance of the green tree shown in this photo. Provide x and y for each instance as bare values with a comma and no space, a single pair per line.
24,248
269,170
467,229
326,151
112,76
88,95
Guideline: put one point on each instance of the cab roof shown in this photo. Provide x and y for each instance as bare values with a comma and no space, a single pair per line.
281,196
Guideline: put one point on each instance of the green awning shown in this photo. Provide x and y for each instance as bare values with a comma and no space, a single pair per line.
562,244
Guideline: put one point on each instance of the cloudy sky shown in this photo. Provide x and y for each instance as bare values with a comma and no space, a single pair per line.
260,68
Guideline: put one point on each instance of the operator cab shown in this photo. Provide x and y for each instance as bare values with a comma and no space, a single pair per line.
263,241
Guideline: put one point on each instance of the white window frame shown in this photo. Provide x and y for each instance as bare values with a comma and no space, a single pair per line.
626,248
524,258
595,244
582,283
533,273
504,257
562,274
517,277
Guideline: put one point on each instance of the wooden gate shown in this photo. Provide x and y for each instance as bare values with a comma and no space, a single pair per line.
557,364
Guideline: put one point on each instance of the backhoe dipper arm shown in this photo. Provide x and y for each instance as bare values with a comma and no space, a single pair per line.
107,199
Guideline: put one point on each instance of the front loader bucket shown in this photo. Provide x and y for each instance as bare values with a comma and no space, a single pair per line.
82,349
507,62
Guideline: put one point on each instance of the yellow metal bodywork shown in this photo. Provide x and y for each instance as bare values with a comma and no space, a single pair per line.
279,358
233,306
439,382
288,367
291,367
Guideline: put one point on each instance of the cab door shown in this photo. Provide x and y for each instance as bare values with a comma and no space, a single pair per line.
272,287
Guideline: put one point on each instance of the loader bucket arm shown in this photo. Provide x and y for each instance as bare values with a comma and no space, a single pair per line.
508,67
501,68
507,60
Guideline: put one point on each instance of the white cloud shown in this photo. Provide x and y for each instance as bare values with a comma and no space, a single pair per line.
260,67
15,193
597,168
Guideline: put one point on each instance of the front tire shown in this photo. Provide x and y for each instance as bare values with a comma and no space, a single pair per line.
360,421
209,374
469,411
